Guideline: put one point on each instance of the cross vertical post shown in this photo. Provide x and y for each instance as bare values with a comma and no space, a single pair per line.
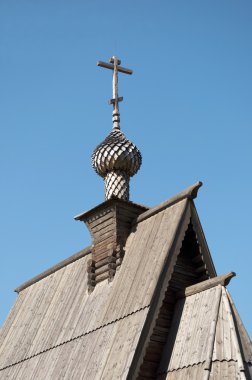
115,66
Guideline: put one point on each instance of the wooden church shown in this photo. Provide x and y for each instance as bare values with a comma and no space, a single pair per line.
142,302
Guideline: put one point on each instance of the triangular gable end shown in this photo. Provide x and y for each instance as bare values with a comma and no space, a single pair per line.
188,262
204,250
206,342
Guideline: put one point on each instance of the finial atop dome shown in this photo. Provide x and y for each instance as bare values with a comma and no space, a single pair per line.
116,159
115,66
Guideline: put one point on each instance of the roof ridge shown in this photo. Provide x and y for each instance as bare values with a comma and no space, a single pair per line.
54,268
188,193
207,284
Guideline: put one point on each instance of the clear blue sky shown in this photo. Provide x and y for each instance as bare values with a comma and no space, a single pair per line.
187,107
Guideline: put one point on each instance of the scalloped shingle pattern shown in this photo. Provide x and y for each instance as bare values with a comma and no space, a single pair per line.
116,153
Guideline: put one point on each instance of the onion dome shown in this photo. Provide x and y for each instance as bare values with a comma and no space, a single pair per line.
116,153
116,159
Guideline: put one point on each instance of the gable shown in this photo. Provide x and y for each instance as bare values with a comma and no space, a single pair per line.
188,266
57,327
56,314
205,342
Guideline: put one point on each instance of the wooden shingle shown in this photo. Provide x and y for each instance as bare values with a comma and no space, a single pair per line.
157,319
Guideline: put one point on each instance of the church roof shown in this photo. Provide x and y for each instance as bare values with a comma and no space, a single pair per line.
142,324
208,339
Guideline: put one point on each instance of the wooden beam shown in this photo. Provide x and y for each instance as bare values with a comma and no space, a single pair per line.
189,193
53,269
111,67
204,285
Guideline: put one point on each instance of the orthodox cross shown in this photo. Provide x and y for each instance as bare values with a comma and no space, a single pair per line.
115,66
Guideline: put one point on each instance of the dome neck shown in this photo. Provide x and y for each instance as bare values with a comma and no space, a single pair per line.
116,120
117,185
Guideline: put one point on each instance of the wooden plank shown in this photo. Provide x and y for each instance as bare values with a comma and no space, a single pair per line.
100,226
212,330
108,233
103,253
202,242
100,219
55,268
177,218
120,303
72,312
127,214
148,245
244,337
111,67
235,342
200,287
107,260
189,193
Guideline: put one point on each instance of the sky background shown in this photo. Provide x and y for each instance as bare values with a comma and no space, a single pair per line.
187,107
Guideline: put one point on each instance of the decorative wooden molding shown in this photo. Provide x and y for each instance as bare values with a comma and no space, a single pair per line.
189,193
204,285
109,224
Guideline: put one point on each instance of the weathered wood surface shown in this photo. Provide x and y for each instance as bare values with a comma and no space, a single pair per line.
55,268
245,341
161,287
189,373
101,354
204,285
109,225
184,273
189,193
87,214
111,67
56,328
202,241
204,343
58,309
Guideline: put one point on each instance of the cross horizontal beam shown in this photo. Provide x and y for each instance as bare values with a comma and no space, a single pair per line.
111,67
113,101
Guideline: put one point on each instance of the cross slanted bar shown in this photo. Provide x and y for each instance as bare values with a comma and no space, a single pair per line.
115,66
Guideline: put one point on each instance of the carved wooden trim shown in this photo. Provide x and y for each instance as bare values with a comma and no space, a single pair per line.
109,224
